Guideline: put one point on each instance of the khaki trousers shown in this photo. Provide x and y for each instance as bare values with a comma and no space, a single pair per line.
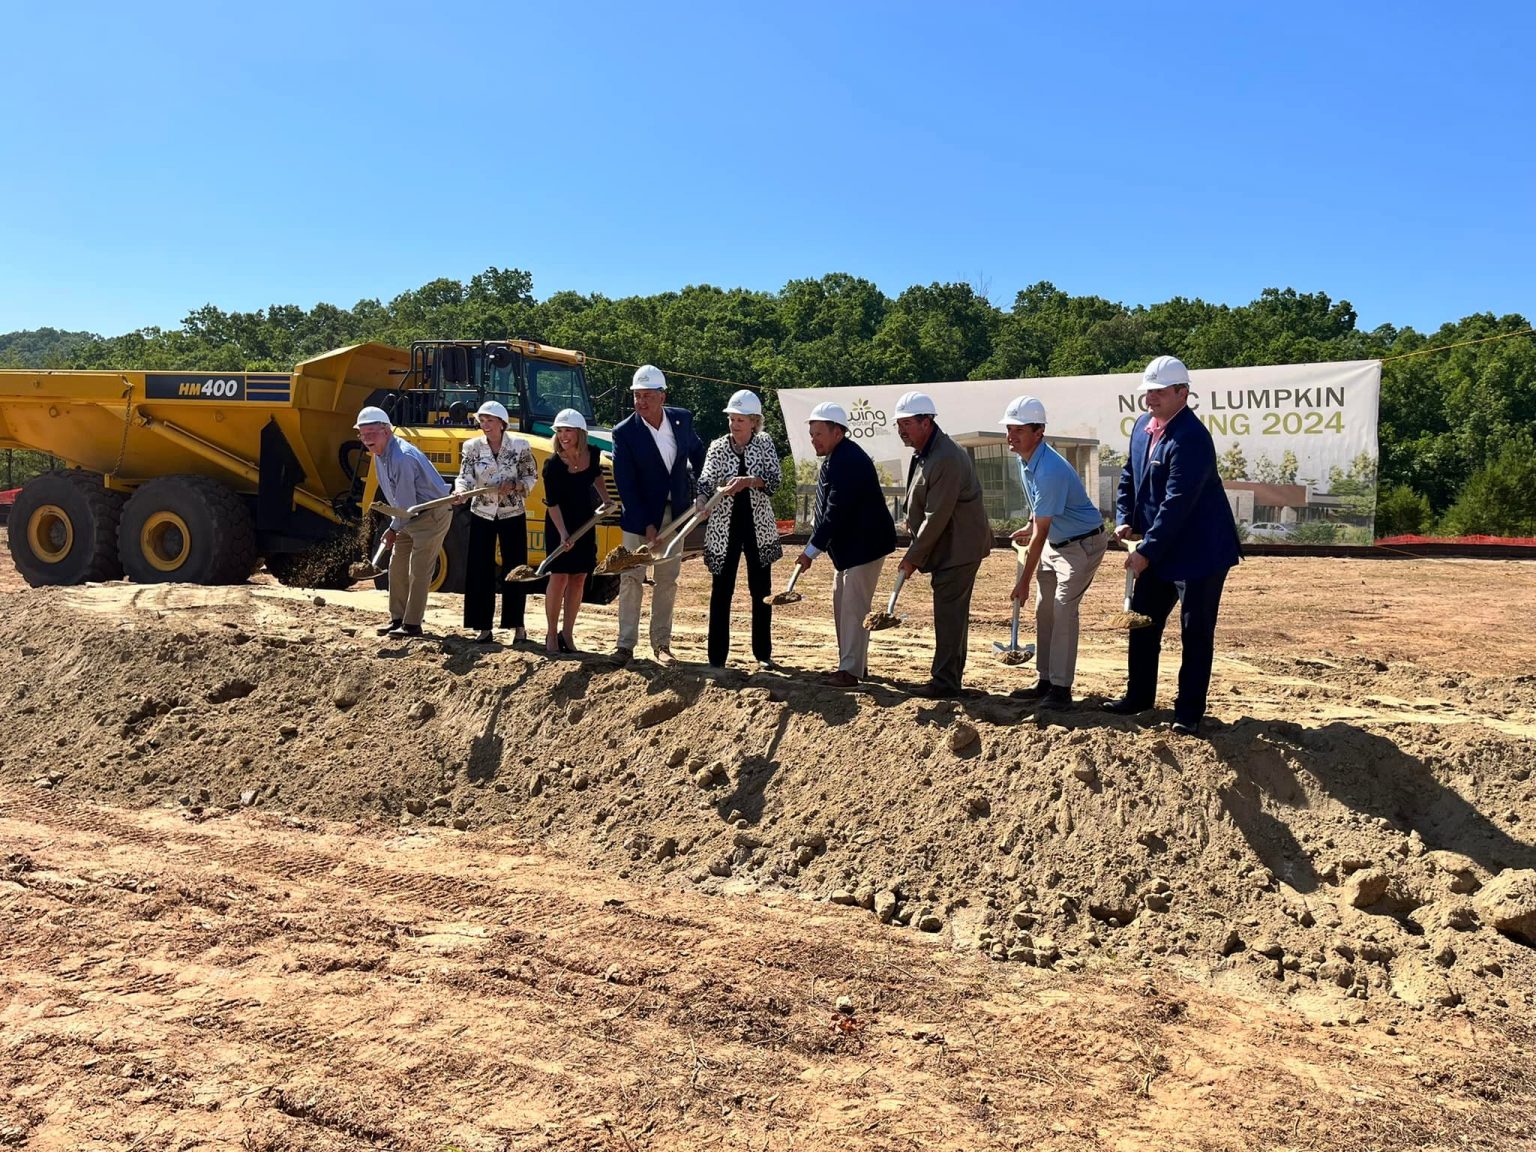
853,590
1063,576
410,565
663,599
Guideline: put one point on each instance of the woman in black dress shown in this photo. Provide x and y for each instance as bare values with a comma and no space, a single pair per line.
573,491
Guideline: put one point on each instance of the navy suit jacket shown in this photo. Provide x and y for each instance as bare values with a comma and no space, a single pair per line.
645,486
853,525
1174,499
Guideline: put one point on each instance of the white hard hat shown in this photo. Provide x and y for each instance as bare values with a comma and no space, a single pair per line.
372,415
570,418
648,378
743,403
915,404
1023,410
1164,372
830,412
491,408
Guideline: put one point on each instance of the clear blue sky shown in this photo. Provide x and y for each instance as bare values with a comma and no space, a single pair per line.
163,156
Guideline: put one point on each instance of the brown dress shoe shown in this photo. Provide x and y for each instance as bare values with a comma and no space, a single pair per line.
841,679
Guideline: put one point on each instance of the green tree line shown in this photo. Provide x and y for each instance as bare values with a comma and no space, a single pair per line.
1457,429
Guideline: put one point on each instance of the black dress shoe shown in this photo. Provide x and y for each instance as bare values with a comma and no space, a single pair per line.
388,628
1058,699
406,632
1186,727
1035,693
1124,706
935,691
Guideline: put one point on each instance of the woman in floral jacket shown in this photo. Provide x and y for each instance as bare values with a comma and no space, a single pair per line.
745,463
496,517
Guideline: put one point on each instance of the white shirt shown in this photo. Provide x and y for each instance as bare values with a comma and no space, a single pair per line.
666,440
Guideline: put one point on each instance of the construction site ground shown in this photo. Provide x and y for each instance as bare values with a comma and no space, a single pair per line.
268,881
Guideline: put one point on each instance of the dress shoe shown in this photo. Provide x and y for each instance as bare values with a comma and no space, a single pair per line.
1058,699
1124,706
484,636
841,679
388,628
1185,727
1035,693
935,691
664,657
623,655
406,632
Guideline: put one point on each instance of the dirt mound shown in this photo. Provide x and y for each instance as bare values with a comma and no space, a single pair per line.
1330,861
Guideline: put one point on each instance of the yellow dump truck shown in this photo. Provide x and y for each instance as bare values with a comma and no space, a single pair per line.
195,476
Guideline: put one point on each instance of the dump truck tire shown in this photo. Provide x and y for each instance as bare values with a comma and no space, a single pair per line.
63,529
189,529
448,576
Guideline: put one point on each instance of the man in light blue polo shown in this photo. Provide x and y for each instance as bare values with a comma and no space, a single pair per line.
406,477
1066,540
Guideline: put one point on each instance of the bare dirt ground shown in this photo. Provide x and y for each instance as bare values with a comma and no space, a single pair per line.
269,882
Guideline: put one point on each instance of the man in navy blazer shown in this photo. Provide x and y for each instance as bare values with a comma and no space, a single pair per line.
854,528
1171,496
656,457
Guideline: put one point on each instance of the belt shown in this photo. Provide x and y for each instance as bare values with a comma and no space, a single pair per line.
1075,539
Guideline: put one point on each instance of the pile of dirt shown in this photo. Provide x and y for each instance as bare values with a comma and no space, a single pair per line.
1333,863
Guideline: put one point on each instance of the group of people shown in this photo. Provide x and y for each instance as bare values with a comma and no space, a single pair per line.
497,471
1170,497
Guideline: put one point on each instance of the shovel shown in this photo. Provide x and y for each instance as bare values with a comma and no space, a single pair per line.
368,569
695,518
1011,653
1128,619
789,595
879,621
427,505
522,573
621,558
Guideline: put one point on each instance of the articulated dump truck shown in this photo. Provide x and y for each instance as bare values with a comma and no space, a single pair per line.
199,476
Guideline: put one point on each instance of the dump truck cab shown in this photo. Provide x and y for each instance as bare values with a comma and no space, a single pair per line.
449,379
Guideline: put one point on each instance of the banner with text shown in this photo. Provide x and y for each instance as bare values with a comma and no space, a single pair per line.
1295,443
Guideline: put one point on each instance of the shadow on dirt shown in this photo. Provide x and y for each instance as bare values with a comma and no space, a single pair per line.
1280,765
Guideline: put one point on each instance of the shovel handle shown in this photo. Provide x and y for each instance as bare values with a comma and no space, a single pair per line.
901,578
793,576
1130,577
1013,628
679,529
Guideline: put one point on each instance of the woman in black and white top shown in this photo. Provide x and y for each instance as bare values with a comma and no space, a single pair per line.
495,458
745,463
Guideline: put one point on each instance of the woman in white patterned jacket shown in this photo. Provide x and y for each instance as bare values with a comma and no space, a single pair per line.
745,463
496,517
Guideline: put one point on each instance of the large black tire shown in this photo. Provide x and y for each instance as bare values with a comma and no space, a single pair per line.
448,575
63,529
189,529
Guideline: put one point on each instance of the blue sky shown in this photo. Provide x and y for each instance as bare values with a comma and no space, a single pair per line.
163,156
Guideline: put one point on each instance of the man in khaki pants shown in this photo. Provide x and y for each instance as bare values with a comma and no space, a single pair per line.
406,477
1066,540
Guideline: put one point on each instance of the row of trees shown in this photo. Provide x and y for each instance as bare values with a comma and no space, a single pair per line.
1456,432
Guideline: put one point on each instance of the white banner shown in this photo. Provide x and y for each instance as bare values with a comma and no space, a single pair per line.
1295,443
